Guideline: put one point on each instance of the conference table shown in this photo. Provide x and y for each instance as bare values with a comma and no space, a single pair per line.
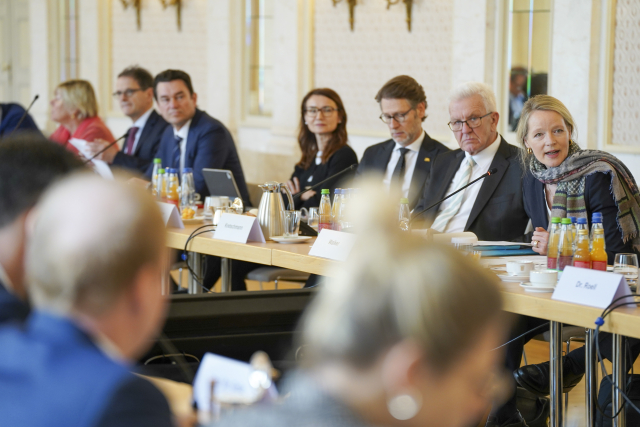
623,322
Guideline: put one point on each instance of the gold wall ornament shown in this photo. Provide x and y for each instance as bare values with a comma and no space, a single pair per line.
178,5
137,5
408,4
352,7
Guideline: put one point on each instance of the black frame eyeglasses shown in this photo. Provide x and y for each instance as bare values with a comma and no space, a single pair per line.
398,117
473,123
128,93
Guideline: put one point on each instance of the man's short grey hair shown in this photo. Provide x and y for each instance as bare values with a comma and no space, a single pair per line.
91,238
465,90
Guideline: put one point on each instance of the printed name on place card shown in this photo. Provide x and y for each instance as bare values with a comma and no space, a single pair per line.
239,229
331,244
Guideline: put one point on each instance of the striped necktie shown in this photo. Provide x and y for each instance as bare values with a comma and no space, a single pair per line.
175,157
443,218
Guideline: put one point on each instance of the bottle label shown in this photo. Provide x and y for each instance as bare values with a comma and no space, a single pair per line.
563,261
552,263
599,265
582,264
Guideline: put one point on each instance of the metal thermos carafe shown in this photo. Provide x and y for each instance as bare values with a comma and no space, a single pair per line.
271,208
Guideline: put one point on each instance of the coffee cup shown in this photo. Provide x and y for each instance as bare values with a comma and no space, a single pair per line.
543,278
519,268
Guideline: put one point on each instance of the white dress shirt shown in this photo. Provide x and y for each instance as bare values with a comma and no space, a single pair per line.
142,120
183,132
410,158
483,162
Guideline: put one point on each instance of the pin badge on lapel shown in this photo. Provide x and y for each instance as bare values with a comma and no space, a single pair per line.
426,159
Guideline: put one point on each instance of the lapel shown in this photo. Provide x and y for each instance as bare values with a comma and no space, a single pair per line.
380,161
192,137
541,208
146,131
428,150
490,184
447,176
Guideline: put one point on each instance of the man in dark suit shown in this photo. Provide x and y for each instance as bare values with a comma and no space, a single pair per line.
492,209
28,165
134,91
195,139
10,116
405,160
94,279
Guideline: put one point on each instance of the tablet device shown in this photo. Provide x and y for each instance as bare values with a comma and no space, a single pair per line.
221,182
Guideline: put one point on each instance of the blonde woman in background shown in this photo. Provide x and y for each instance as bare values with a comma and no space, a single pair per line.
75,108
403,336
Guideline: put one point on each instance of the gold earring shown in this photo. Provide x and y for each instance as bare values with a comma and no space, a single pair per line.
529,150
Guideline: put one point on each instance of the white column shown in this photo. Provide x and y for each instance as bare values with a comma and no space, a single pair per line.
43,67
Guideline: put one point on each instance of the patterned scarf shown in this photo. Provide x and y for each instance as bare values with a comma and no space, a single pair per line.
571,176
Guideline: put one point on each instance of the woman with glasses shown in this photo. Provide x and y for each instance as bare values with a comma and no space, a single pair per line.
397,338
323,142
75,108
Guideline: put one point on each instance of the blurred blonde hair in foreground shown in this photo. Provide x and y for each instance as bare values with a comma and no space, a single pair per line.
396,286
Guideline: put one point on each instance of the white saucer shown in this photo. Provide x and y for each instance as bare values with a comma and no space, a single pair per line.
528,287
296,239
194,220
502,274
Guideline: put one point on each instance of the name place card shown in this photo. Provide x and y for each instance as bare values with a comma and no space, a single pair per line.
335,245
238,229
170,215
590,287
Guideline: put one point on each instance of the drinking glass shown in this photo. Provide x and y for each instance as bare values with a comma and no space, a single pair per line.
313,218
209,207
291,223
627,265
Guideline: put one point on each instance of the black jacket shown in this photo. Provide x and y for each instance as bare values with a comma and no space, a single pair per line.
498,213
147,146
376,158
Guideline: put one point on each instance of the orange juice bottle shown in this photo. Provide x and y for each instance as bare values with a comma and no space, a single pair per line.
598,254
582,257
172,187
552,246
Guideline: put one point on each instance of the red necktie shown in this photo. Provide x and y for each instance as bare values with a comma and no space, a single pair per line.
131,139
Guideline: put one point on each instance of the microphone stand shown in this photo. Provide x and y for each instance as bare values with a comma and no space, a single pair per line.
483,176
106,148
352,167
24,115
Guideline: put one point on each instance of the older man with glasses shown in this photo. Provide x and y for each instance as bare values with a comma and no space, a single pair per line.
492,209
405,160
134,92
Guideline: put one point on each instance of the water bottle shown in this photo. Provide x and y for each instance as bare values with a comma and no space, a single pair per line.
324,211
404,216
172,186
565,246
159,189
596,223
599,256
187,194
335,209
343,215
552,246
157,165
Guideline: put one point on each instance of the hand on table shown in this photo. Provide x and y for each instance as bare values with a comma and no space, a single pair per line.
540,239
294,187
99,144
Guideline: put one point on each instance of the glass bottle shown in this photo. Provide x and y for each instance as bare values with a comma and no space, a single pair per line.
598,252
404,216
187,195
324,211
159,189
582,257
565,245
552,246
338,196
172,187
157,165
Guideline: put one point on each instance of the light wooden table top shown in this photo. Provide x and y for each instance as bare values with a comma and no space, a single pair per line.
624,321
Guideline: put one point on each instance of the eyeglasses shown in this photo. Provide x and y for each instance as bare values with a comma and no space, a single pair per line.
473,122
398,117
326,111
128,93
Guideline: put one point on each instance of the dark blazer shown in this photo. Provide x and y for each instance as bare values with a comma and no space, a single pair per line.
52,374
11,115
12,308
498,212
209,145
376,158
147,146
597,198
340,160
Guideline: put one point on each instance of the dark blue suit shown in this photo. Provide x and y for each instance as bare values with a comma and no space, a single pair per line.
11,114
52,374
12,309
147,146
209,145
597,198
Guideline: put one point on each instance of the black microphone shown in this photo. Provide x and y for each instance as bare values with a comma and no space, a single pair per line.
483,176
24,115
107,147
352,167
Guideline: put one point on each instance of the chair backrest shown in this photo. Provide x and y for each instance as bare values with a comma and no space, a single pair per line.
255,194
